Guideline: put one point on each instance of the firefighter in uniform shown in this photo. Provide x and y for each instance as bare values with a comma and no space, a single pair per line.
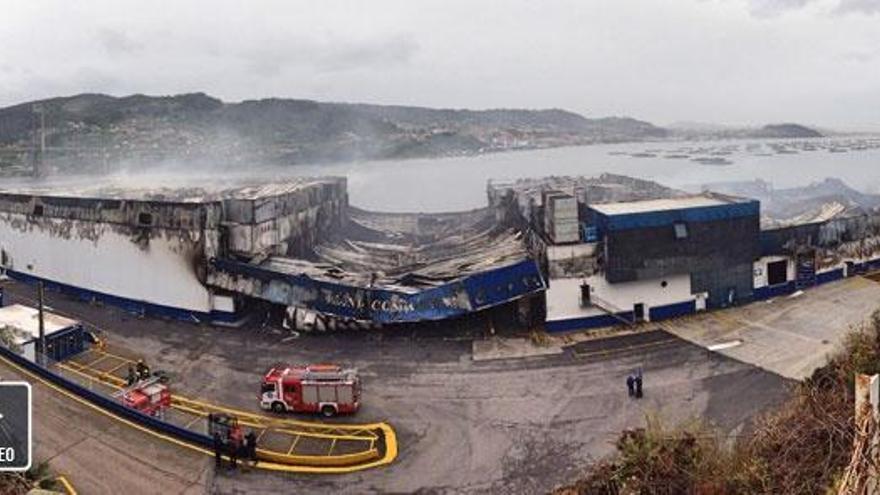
132,377
250,446
638,384
234,445
143,371
218,450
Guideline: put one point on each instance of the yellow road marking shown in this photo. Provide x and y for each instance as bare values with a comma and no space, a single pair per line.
193,421
96,361
293,445
255,417
630,348
262,432
391,449
110,372
68,486
88,376
199,414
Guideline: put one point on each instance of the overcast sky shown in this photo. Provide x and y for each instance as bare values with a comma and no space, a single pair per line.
732,61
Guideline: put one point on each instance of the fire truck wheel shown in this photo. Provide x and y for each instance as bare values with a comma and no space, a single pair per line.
328,411
278,407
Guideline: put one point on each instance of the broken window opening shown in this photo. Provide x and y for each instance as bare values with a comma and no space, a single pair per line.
681,231
145,219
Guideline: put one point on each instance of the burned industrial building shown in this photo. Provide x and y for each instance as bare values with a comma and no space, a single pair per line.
393,268
204,252
149,250
645,252
559,253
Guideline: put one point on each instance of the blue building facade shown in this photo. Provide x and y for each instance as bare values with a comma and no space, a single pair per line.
713,238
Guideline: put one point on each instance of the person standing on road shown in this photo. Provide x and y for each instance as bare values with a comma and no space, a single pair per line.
218,450
234,445
250,443
143,371
638,383
131,378
630,384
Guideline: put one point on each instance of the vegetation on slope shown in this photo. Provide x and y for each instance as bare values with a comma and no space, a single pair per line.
22,483
802,447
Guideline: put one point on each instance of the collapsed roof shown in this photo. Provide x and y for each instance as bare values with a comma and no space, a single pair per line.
408,252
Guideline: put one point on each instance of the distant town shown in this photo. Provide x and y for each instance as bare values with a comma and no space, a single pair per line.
94,133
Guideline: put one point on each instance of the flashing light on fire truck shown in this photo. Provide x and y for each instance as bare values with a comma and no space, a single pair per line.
318,388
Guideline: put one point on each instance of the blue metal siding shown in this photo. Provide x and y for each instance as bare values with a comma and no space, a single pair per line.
624,221
658,313
777,290
830,276
587,322
65,343
479,291
591,233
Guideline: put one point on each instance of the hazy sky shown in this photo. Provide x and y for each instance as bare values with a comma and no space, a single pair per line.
734,61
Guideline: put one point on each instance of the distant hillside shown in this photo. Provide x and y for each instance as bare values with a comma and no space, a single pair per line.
786,131
95,131
699,130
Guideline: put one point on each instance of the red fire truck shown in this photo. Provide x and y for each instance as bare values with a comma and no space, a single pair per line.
149,396
325,388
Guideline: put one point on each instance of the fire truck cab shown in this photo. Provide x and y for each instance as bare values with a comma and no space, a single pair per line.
318,388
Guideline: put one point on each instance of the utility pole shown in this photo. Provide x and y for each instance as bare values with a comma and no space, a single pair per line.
41,325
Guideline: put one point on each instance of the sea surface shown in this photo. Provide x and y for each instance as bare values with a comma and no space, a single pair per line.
458,183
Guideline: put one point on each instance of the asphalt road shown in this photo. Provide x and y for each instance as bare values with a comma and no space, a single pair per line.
101,455
508,426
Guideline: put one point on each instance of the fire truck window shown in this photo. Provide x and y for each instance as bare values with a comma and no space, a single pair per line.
268,387
290,389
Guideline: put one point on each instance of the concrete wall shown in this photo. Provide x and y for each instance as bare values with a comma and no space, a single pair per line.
160,266
564,295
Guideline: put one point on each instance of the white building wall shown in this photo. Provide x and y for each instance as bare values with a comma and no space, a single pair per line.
760,269
107,260
29,350
564,295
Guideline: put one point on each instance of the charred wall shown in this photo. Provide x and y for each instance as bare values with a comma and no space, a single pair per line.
833,242
288,224
130,213
653,252
158,251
